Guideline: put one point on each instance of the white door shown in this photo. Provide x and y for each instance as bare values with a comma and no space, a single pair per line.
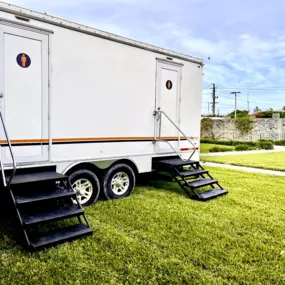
24,91
168,88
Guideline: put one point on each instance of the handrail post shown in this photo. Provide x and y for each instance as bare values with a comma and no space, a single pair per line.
2,168
11,152
160,112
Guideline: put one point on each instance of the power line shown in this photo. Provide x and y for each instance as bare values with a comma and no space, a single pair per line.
260,88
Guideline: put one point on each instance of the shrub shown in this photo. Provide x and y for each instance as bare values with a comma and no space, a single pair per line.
263,140
252,144
269,114
267,145
253,148
230,143
241,147
281,143
219,149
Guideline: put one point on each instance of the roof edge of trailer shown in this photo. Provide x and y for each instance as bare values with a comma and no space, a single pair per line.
30,14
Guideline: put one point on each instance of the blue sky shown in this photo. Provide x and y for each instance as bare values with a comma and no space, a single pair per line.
245,39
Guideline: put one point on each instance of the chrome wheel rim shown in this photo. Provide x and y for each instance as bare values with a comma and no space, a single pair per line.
120,183
83,189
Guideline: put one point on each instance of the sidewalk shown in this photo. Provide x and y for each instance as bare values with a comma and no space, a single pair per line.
243,168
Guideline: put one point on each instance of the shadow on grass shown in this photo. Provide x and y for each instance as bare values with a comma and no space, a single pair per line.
159,182
10,234
9,227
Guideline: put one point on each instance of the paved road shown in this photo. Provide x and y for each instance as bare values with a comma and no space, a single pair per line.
246,169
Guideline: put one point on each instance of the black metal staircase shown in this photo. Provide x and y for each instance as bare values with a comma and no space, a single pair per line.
47,207
191,176
45,203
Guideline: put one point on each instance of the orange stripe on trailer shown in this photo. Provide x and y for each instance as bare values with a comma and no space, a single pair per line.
70,140
25,141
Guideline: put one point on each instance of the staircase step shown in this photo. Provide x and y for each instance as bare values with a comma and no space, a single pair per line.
46,196
165,164
60,236
214,193
201,183
50,216
192,172
36,177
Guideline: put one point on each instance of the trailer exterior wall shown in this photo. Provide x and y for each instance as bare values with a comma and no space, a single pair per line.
102,97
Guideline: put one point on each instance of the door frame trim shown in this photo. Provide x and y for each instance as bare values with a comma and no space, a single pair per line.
23,26
165,61
160,63
48,74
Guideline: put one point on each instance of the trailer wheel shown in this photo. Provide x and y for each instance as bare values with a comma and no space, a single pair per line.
86,185
119,182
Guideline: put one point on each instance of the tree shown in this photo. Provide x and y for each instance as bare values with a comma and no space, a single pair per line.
207,127
283,109
244,125
240,113
256,110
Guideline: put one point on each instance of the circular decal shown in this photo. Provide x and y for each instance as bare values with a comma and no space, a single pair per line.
169,85
24,60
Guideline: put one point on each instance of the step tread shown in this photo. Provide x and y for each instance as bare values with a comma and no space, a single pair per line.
211,194
54,215
166,164
45,196
60,236
192,172
201,183
36,177
175,162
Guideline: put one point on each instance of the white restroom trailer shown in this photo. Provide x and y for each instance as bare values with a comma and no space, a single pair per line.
84,100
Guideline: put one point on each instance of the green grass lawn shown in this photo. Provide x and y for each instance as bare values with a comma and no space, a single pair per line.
160,237
273,161
205,148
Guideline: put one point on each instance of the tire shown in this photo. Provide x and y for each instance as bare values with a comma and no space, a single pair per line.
92,192
126,178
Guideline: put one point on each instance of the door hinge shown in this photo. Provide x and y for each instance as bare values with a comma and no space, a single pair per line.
49,83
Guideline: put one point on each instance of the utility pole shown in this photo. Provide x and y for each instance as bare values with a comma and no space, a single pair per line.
235,93
214,100
248,102
208,109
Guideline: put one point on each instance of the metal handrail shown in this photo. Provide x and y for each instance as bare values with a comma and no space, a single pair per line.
160,112
12,155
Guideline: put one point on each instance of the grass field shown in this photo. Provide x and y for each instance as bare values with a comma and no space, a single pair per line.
161,237
273,161
205,148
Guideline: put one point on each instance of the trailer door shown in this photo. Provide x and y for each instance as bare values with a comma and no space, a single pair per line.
24,93
168,87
